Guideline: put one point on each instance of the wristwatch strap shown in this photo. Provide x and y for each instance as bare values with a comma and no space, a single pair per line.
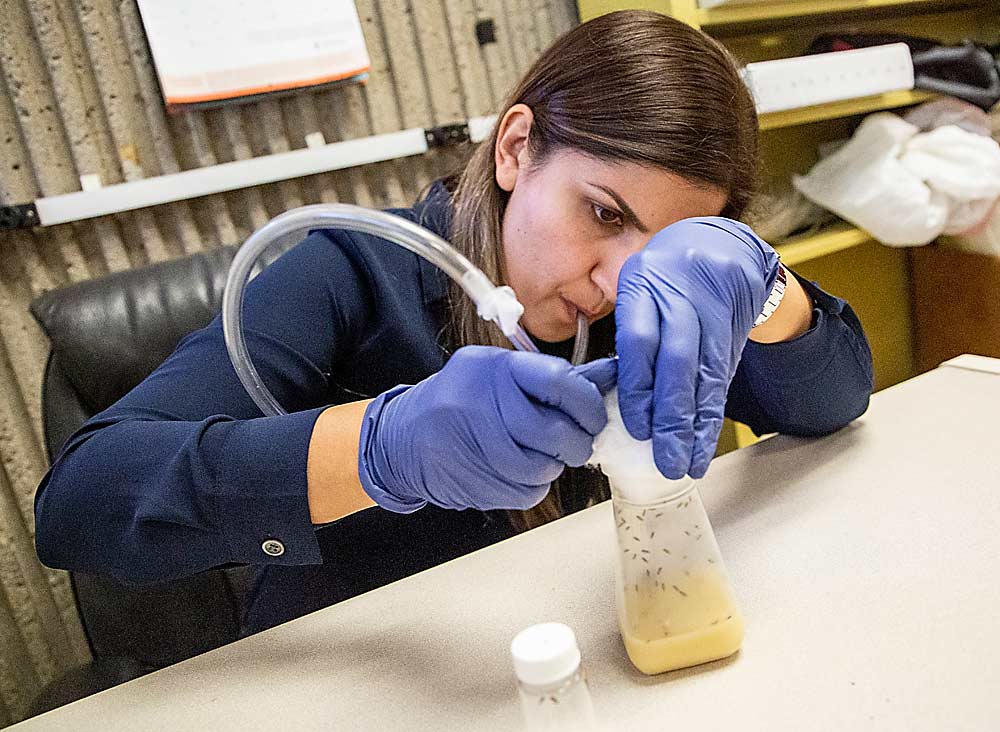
774,299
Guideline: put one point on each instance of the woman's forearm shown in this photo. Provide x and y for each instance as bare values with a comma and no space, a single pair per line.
332,467
810,385
147,500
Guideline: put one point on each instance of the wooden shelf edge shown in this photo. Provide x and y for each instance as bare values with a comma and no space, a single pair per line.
834,239
842,108
759,12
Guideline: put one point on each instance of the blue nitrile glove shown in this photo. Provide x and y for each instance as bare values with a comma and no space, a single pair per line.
491,430
686,303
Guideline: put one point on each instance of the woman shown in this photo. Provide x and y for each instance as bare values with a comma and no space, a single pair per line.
585,197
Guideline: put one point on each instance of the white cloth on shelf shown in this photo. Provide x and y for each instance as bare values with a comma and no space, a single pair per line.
907,187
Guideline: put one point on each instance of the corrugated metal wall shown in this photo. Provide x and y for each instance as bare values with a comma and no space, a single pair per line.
78,96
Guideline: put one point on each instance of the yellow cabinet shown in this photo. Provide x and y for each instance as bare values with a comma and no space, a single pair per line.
842,258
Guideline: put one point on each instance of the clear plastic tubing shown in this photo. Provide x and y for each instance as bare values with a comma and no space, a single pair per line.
493,303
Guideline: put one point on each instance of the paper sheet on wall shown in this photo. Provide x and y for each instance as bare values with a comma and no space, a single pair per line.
211,50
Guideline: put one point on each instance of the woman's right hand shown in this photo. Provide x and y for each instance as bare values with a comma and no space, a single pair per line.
491,430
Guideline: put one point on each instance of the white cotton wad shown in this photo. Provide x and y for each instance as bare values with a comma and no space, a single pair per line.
628,462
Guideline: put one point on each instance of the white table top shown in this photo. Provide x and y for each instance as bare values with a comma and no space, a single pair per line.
866,563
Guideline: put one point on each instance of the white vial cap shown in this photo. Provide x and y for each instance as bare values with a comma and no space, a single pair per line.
545,653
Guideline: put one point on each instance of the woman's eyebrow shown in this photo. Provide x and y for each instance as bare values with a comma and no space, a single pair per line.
626,209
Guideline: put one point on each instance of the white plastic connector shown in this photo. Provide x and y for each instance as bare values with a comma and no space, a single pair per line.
502,307
315,139
90,182
498,304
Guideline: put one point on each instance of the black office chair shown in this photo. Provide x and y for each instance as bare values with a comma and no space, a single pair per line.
107,335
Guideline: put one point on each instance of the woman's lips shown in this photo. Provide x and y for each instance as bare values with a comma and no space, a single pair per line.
570,308
575,310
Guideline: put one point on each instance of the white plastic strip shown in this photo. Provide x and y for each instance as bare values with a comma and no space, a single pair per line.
802,81
229,176
481,127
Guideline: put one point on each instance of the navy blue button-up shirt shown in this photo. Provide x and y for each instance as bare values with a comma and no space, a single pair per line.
184,474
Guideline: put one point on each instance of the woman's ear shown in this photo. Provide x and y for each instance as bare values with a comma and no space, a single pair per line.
511,152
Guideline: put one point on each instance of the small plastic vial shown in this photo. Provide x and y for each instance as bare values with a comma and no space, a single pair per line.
551,684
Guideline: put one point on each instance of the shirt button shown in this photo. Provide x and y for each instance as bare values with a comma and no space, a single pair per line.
273,548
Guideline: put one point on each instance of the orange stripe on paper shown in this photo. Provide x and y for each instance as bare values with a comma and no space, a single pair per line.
249,91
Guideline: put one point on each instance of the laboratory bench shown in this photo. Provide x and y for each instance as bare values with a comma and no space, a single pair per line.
865,564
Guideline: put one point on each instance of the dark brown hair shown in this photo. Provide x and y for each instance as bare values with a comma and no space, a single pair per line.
631,86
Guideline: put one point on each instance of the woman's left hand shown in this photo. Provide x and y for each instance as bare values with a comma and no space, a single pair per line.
686,303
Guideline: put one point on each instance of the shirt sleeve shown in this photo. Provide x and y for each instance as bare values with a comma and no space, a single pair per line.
184,473
811,385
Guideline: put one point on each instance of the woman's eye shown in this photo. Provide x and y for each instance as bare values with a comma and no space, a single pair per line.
607,215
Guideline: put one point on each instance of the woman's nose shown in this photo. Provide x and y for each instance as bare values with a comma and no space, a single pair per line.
609,266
